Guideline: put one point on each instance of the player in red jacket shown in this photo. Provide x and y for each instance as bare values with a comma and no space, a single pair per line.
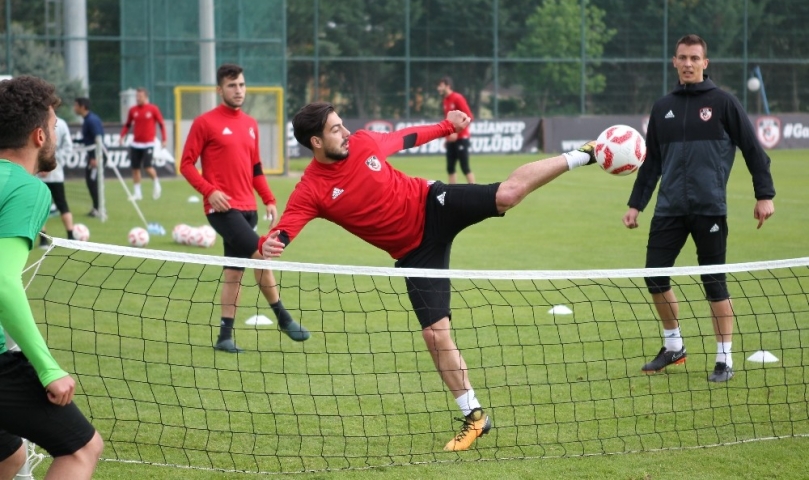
225,140
143,119
350,182
457,143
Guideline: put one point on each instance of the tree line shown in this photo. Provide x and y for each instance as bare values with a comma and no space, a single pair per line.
509,58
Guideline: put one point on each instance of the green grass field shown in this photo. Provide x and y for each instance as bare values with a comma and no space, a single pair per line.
362,392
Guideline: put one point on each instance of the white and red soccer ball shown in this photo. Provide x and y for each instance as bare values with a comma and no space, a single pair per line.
204,236
138,237
208,236
180,233
620,150
81,232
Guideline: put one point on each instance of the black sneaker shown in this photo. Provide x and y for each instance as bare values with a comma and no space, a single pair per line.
590,149
295,331
721,373
663,359
227,345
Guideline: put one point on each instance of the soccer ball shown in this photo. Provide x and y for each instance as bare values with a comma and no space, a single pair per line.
180,233
195,237
138,237
620,150
208,236
81,232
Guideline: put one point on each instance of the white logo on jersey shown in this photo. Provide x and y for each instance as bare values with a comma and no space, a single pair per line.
373,163
227,131
705,113
441,197
252,133
670,114
714,229
336,192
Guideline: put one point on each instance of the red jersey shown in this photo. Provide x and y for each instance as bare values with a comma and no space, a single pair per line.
145,117
364,194
226,142
456,101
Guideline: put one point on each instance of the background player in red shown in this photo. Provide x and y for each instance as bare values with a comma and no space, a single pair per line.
145,116
349,182
225,139
457,144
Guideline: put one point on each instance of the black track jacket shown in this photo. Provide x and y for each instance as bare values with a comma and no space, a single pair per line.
691,143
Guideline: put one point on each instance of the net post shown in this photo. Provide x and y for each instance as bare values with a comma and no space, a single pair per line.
102,204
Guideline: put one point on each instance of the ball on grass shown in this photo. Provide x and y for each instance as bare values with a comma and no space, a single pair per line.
138,237
81,232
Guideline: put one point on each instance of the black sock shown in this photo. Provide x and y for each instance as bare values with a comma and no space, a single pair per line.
70,235
226,328
284,318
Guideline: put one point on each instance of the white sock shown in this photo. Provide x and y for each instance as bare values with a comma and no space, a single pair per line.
156,181
468,402
674,342
576,158
723,353
137,189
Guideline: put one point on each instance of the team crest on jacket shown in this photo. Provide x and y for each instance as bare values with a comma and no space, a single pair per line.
705,113
373,163
768,131
252,133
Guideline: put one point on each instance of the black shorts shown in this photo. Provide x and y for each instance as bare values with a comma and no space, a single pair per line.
667,235
458,151
26,412
58,195
238,231
449,209
140,157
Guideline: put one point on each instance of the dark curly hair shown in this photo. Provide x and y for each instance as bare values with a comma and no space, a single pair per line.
310,121
25,102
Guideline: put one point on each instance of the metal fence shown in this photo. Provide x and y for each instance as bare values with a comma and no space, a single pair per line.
512,58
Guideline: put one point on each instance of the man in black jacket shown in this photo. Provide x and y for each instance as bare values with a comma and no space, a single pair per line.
691,142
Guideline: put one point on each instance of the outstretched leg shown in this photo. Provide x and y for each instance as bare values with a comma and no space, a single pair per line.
531,176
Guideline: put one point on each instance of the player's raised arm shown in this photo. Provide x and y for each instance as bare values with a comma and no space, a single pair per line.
418,135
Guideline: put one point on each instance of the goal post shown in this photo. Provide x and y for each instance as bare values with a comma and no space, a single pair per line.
264,103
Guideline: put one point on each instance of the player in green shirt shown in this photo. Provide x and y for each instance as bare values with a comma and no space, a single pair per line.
36,398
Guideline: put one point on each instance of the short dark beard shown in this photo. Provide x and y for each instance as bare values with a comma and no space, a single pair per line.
336,156
46,156
231,105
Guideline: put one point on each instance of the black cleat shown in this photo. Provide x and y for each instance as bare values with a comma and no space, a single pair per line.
227,345
295,331
663,359
590,149
721,373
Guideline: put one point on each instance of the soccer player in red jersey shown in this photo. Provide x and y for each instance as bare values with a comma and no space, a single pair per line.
225,139
349,182
145,116
457,143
